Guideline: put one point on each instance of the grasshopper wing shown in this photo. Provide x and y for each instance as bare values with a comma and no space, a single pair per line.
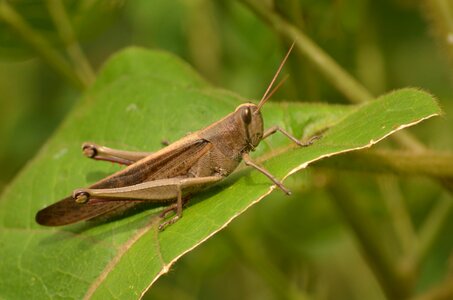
172,161
67,211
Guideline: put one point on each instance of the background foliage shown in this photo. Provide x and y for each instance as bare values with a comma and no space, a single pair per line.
308,242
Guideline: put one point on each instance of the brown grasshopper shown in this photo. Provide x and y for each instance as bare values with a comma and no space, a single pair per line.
173,173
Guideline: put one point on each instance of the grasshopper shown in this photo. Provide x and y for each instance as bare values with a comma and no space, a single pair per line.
173,173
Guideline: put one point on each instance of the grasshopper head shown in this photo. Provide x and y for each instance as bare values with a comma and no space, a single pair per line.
252,121
250,114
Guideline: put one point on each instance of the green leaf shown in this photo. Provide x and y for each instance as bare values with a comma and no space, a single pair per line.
141,98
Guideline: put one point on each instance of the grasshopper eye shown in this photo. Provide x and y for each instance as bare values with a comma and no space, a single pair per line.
246,115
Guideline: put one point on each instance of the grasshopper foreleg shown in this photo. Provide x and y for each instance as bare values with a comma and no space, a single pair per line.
266,134
274,129
248,161
161,190
98,152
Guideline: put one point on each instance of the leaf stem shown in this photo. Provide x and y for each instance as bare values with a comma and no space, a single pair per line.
41,46
67,35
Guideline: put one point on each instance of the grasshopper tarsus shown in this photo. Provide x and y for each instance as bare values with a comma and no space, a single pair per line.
283,188
167,223
311,140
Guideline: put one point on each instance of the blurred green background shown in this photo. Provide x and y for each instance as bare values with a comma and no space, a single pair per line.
303,246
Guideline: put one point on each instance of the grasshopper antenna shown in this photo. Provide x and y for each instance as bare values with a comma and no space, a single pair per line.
269,95
265,96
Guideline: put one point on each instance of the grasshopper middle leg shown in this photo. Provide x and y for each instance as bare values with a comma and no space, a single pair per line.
249,162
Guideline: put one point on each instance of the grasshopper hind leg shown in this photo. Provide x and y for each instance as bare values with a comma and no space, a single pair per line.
122,157
156,191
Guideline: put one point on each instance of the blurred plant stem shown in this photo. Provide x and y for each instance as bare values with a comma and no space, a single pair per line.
302,75
202,38
430,230
430,163
42,47
442,291
326,65
253,255
440,13
344,82
399,214
395,282
436,165
370,60
394,285
67,35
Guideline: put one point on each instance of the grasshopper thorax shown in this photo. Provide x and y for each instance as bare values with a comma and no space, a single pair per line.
252,120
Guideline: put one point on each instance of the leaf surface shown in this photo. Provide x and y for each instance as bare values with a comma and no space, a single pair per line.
140,99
